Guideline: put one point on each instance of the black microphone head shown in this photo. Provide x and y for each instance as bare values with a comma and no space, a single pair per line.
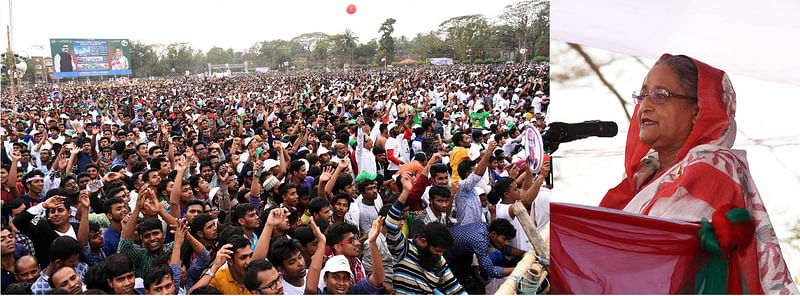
607,129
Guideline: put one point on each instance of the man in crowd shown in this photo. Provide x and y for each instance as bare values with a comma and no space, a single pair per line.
237,161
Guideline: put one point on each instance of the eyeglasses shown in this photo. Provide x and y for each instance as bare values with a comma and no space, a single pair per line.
345,242
658,96
273,285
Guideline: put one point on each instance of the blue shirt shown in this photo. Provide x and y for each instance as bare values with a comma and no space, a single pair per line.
468,203
362,287
473,239
90,258
83,160
117,161
111,237
42,285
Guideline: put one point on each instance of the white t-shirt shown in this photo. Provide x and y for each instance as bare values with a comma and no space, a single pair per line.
520,241
289,289
392,143
70,233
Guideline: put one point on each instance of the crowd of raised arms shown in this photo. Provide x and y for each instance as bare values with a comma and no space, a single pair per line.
366,181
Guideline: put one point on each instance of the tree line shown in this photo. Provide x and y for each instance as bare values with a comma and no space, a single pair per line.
467,38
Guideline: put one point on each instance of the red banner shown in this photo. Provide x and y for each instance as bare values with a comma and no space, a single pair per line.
605,251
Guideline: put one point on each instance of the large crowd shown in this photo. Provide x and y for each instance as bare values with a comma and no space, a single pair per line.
364,181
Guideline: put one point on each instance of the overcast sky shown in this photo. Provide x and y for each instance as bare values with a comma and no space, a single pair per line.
234,24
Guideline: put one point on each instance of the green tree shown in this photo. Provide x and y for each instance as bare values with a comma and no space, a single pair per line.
178,57
366,52
217,55
429,44
144,59
34,70
199,62
465,33
403,46
350,41
386,44
529,21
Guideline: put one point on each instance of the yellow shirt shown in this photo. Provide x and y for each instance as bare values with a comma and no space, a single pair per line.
224,282
456,156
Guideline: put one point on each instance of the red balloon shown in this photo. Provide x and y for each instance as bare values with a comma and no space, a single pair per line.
351,9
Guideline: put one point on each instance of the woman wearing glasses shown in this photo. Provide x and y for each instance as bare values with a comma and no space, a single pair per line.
679,165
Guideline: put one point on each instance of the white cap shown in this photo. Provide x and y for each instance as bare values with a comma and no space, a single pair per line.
479,191
539,92
322,150
336,263
270,163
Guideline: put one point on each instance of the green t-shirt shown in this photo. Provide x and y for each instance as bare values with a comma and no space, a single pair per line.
479,119
417,119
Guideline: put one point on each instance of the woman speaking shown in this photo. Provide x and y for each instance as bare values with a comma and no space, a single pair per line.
679,165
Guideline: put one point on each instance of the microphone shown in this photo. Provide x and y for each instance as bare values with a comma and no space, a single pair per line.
560,132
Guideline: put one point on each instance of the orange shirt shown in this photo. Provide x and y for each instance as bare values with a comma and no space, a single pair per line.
412,166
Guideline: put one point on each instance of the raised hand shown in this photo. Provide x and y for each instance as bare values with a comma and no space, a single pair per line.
223,254
16,156
111,176
408,181
74,150
180,164
53,202
454,186
343,163
513,172
84,198
180,230
318,233
545,168
436,157
377,225
224,177
492,146
277,216
326,175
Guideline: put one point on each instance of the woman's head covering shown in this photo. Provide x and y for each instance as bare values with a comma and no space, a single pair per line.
715,125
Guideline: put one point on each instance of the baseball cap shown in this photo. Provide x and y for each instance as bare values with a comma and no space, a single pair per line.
270,163
352,121
364,175
336,264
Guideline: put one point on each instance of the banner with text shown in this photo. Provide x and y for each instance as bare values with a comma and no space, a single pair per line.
90,57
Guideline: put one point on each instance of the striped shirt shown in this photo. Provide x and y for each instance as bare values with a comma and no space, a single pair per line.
409,276
142,258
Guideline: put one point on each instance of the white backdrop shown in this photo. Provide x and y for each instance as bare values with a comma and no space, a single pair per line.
757,44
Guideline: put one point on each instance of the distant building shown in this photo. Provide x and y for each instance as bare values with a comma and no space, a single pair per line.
47,64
